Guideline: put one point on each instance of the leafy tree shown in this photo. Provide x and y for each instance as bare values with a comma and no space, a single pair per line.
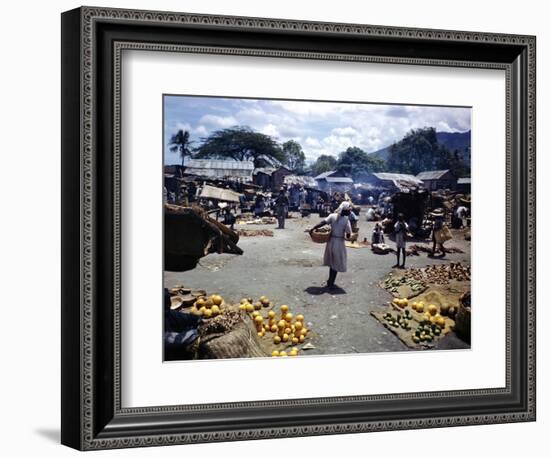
323,163
419,150
241,143
355,162
294,155
180,143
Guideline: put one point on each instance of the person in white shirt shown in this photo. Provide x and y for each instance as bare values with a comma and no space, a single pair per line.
400,230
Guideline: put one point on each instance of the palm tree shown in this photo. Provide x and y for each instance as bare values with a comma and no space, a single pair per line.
180,143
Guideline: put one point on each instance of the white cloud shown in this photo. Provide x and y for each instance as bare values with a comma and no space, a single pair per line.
320,127
313,142
271,130
200,130
344,131
218,121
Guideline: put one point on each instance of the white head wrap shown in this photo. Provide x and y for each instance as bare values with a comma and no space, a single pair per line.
343,206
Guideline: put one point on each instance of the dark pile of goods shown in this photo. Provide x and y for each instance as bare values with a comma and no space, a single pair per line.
439,274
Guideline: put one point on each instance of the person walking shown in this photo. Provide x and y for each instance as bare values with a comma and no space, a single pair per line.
400,230
281,208
335,256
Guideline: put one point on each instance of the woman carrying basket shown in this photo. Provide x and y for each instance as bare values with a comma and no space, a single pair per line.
335,250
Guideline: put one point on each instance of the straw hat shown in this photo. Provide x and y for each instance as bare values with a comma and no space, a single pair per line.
437,212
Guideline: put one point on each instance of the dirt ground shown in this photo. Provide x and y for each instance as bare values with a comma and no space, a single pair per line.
288,269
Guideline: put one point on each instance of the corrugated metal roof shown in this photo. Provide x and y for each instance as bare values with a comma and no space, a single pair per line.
227,195
432,174
386,176
222,164
339,180
324,175
466,180
266,170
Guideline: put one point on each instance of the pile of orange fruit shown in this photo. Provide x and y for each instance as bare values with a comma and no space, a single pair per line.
208,307
284,326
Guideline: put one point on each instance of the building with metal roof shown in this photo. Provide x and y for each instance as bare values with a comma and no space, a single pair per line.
323,175
437,179
464,185
432,174
220,169
398,180
339,180
329,183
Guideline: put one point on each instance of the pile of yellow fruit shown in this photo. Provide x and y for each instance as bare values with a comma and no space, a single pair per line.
208,307
432,313
248,305
286,327
293,352
402,303
418,306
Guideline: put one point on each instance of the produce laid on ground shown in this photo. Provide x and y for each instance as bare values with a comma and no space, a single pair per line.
251,219
281,328
248,329
413,281
255,232
417,323
208,307
403,285
415,250
440,274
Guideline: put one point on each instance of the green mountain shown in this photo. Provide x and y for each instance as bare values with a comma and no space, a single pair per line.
460,141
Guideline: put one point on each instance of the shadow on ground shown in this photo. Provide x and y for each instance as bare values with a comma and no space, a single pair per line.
318,290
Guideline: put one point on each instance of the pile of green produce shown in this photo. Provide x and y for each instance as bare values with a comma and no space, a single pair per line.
392,283
399,320
426,332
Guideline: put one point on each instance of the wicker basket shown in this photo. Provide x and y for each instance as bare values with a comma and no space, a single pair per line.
320,237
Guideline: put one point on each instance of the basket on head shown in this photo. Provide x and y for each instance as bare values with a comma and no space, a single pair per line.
320,237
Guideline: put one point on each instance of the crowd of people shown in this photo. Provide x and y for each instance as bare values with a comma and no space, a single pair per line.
345,217
339,213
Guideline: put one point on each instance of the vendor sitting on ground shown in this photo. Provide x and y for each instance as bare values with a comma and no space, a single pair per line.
440,232
180,332
335,256
400,230
228,217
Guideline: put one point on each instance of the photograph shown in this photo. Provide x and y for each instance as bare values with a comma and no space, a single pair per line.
276,205
307,227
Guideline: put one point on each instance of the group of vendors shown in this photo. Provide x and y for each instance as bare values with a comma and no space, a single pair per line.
343,219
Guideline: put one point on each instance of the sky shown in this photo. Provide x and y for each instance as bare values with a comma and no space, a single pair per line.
319,127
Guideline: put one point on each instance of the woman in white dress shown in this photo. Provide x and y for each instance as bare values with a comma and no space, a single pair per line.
335,250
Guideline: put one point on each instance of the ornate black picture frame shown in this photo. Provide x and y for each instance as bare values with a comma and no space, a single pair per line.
92,42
